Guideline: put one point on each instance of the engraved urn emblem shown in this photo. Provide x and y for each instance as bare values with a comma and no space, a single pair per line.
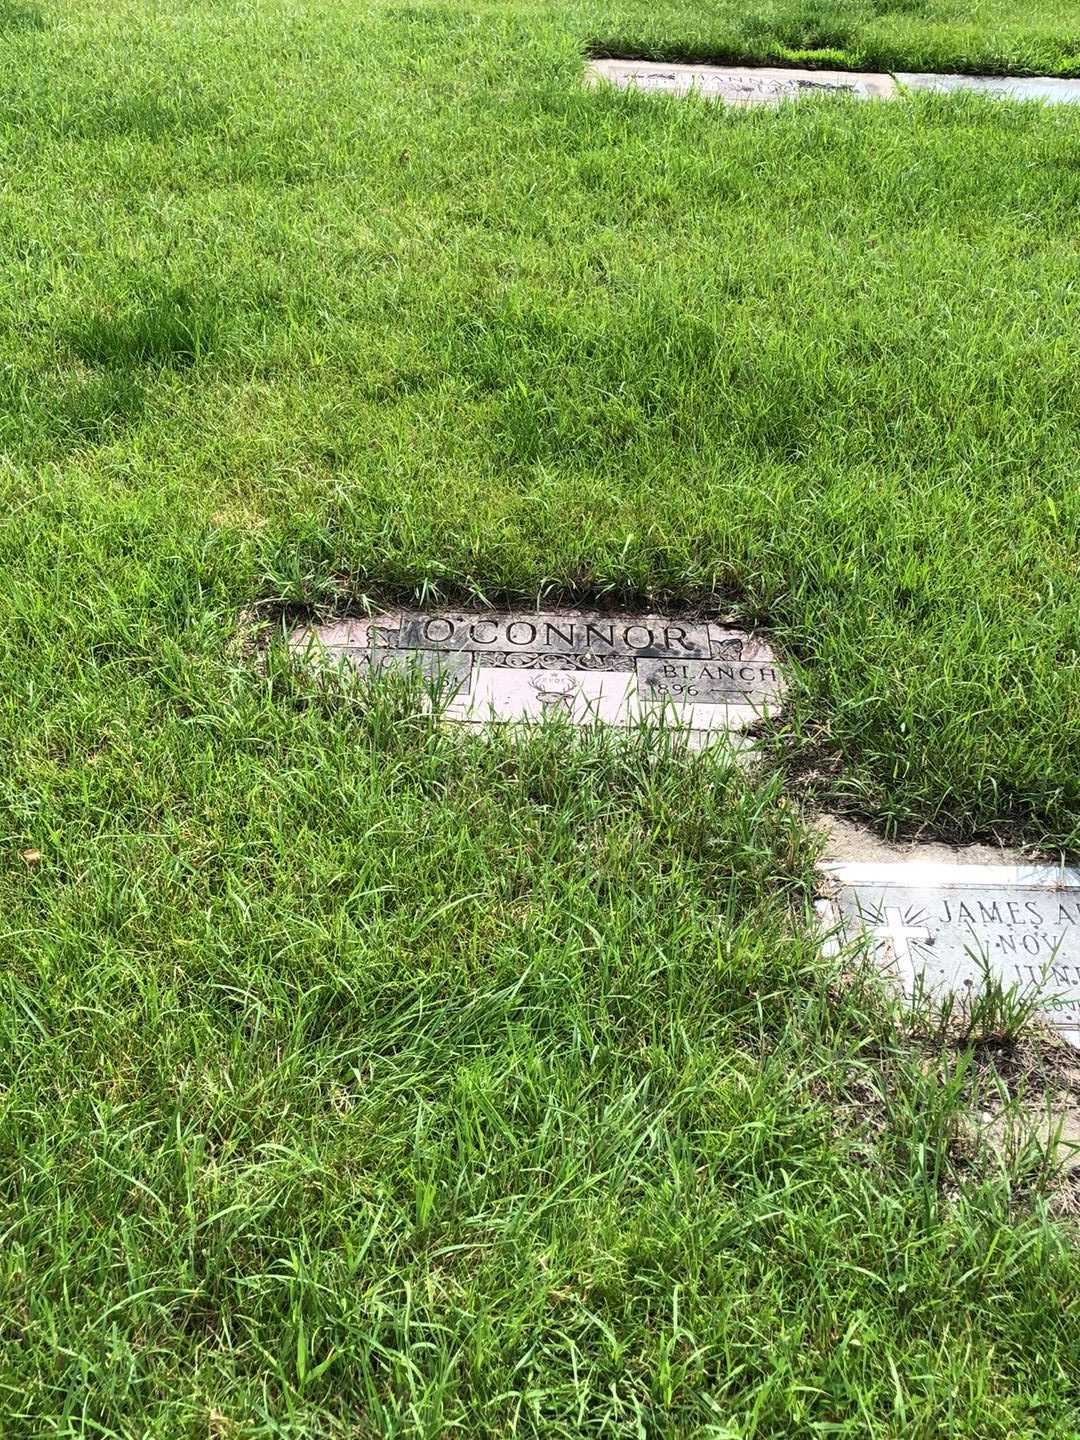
556,693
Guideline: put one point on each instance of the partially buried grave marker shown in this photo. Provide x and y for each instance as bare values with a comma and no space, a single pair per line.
738,84
1050,89
769,85
944,927
588,667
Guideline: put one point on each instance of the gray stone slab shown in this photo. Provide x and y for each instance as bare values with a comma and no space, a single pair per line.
1045,88
337,645
452,669
578,666
738,84
353,635
942,928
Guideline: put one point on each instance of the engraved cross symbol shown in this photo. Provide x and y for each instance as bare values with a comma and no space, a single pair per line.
900,934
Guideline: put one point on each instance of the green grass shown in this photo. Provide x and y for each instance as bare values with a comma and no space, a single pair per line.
358,1081
393,306
976,36
386,1086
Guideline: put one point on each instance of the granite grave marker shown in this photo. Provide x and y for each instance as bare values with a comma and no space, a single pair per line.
738,84
588,667
944,927
770,85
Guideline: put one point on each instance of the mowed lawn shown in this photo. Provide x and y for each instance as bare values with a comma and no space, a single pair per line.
357,1080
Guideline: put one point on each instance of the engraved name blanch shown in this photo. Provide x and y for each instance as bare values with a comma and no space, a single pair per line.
706,670
710,681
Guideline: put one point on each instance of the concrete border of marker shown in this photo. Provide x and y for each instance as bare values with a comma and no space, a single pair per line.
772,85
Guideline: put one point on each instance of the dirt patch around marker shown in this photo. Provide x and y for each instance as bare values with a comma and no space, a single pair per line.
846,839
815,770
1009,1102
1025,1102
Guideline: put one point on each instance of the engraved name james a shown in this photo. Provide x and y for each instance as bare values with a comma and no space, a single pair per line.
947,925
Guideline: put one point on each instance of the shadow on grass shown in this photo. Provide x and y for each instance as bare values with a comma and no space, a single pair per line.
172,328
144,117
68,411
16,18
109,356
95,409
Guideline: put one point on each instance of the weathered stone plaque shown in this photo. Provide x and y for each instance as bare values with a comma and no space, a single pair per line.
770,85
944,927
1050,89
738,84
739,670
586,667
450,670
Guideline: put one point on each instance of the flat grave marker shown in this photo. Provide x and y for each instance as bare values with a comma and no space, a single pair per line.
738,84
1050,89
588,667
944,927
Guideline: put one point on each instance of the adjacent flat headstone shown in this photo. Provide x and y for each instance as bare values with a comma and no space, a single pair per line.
738,84
586,667
1047,88
769,85
942,928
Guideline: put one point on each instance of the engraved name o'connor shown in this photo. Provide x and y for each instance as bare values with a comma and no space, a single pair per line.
565,636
